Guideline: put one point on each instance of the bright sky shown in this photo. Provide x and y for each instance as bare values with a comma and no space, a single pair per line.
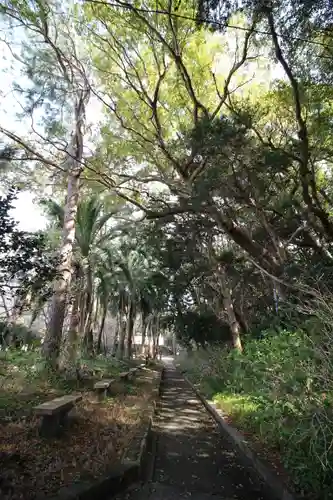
27,213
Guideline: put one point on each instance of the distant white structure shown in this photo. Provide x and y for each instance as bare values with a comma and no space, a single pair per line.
137,340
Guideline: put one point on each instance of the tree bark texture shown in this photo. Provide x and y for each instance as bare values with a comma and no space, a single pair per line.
53,336
101,329
234,325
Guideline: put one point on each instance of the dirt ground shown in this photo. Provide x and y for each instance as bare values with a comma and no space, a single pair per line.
98,432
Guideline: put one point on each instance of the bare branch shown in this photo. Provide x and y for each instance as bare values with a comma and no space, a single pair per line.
171,50
30,149
236,66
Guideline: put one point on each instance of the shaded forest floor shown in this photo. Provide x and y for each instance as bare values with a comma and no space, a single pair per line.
96,437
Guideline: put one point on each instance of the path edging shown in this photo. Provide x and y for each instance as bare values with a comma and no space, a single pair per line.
142,450
121,475
276,489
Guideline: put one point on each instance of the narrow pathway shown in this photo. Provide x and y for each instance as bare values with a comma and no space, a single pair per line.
192,459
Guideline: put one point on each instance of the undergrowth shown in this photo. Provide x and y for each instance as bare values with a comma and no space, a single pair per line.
280,390
24,381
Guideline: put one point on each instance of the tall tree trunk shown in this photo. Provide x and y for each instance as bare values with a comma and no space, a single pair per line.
51,346
241,319
174,343
4,303
89,303
143,331
101,329
115,341
72,344
150,336
97,309
53,336
154,334
130,328
89,342
234,325
121,328
121,338
83,314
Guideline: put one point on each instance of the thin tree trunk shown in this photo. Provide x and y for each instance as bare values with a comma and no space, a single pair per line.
104,343
234,325
72,344
101,329
97,308
130,328
241,319
115,342
21,303
89,303
174,343
83,315
150,336
155,335
143,332
121,340
37,310
89,342
3,298
121,328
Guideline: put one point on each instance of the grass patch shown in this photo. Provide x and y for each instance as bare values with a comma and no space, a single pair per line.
280,392
25,383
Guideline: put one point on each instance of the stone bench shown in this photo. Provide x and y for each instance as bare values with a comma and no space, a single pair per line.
102,387
124,376
54,414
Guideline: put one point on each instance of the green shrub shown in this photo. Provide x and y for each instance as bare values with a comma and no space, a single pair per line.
280,389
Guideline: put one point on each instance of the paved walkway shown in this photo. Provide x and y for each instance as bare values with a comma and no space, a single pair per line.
192,459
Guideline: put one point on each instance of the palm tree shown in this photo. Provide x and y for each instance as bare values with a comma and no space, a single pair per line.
105,295
91,232
138,294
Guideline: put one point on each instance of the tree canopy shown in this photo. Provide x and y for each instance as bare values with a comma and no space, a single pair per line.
186,153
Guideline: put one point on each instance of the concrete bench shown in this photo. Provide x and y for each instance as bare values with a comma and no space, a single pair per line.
102,387
54,414
124,375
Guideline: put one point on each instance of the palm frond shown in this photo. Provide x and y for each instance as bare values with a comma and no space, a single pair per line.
88,213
